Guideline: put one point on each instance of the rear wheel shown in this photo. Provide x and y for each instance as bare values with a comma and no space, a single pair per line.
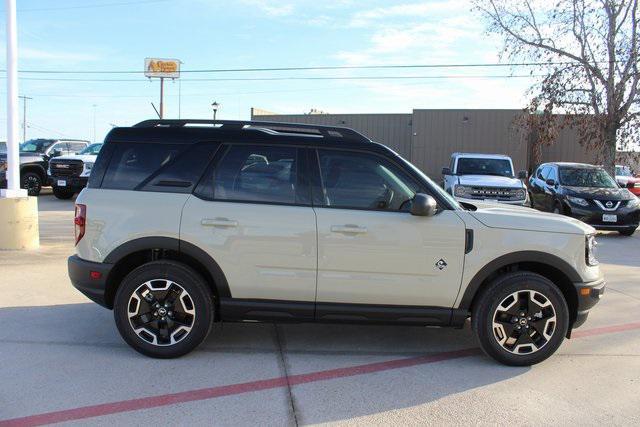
163,309
32,182
627,231
520,318
63,193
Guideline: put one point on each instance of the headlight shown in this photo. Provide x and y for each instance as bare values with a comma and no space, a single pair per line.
590,250
633,203
460,191
578,201
520,194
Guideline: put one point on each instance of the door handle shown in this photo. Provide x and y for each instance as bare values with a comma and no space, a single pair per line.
348,229
218,222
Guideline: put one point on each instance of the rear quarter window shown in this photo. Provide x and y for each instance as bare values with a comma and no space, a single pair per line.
132,163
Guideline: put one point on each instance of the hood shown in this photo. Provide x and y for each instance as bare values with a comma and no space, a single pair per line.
523,218
598,193
490,181
86,158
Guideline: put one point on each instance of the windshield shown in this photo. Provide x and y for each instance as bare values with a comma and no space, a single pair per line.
598,178
35,145
93,149
473,166
623,171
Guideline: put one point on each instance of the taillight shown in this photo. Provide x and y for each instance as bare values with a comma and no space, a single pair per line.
80,221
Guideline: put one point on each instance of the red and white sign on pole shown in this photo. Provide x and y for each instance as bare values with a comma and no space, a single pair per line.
162,69
13,150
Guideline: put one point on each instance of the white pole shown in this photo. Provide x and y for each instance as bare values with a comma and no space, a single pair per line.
13,157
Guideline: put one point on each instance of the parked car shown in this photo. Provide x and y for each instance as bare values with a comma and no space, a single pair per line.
585,192
487,177
625,178
34,161
69,174
184,225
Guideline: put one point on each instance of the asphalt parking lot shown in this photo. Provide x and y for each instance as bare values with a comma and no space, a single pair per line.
62,360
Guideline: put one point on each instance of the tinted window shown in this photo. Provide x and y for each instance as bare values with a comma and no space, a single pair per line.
363,181
258,173
552,174
36,145
131,164
542,172
480,166
92,149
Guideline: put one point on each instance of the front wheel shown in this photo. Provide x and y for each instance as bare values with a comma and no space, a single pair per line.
63,193
520,319
163,309
627,231
32,182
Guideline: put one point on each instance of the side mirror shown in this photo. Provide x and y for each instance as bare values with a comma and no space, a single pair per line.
550,182
423,205
522,175
446,171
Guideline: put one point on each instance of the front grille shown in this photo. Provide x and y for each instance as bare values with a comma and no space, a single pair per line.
66,167
608,205
498,193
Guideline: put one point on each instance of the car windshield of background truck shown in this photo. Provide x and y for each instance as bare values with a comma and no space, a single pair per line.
574,177
474,166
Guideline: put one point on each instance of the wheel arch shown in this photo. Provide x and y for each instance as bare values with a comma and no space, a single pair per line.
558,271
135,253
36,168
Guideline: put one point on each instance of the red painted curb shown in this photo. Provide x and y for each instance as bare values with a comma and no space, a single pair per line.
272,383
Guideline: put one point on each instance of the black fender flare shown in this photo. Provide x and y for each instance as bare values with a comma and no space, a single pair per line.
34,167
180,246
514,258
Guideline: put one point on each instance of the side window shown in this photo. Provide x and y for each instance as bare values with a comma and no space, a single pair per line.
133,163
553,174
260,173
542,171
364,181
59,149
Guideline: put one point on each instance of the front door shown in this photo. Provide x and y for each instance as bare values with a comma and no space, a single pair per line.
371,250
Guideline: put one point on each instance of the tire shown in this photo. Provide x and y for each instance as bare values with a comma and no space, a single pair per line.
32,182
496,333
193,305
557,208
531,201
63,193
628,231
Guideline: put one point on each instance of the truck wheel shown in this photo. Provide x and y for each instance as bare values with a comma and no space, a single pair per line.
627,231
163,309
63,193
32,182
520,318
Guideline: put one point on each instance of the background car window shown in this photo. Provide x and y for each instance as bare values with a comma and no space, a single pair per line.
574,177
92,149
552,174
479,166
132,163
257,173
364,181
76,147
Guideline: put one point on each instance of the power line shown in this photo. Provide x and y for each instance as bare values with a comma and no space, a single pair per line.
90,6
316,68
244,79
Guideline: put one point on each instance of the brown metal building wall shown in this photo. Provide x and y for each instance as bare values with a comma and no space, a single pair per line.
392,130
566,149
439,133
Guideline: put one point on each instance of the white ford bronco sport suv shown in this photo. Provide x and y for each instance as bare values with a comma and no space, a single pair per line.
185,223
485,177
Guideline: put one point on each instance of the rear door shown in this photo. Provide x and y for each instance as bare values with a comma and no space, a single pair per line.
371,249
252,215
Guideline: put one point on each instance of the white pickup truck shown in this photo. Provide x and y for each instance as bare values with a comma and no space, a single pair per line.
485,177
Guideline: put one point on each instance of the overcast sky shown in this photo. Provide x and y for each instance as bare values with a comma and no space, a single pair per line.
117,35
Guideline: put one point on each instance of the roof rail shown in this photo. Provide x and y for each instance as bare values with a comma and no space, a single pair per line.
291,128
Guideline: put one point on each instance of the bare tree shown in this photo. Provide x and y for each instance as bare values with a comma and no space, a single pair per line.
589,50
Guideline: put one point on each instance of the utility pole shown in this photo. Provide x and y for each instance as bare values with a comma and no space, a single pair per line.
161,98
24,117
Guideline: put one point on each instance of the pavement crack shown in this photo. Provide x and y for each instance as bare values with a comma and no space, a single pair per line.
609,288
283,364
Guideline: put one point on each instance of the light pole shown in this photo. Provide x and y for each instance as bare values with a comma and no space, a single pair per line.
24,117
215,107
